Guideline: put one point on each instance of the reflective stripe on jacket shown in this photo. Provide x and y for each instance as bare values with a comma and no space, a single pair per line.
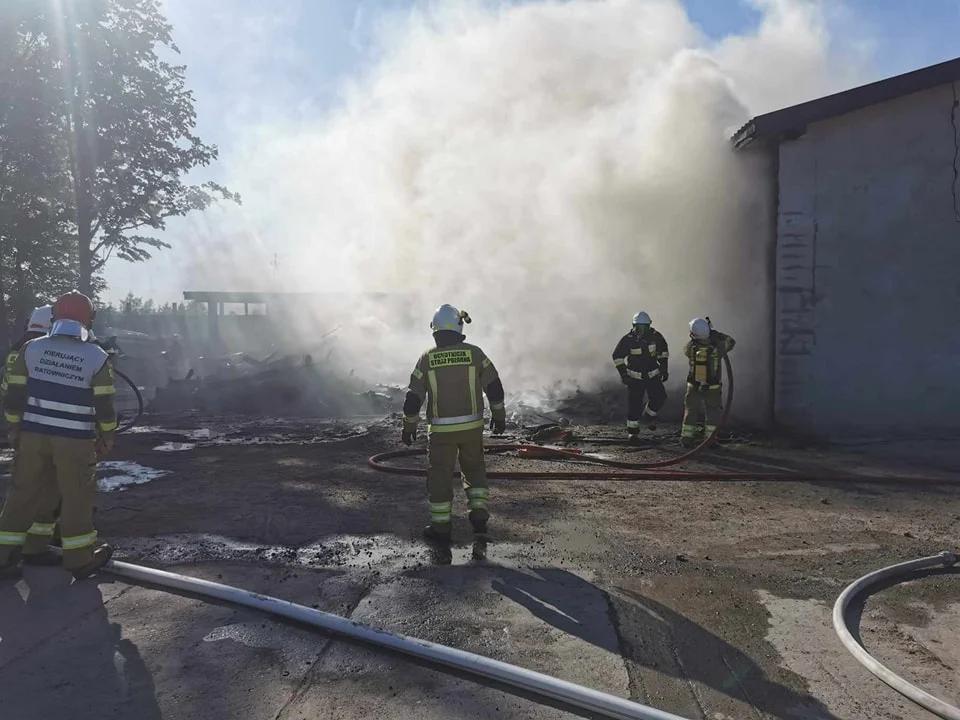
64,379
644,356
7,370
705,359
452,379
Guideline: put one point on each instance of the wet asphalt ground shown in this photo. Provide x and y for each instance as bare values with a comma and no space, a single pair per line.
709,600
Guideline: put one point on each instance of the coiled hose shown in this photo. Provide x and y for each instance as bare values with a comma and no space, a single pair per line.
919,696
649,470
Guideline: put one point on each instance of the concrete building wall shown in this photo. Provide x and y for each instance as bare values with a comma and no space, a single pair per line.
868,272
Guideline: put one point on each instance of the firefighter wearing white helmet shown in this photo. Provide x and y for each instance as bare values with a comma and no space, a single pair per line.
59,407
36,549
451,377
703,403
641,358
37,326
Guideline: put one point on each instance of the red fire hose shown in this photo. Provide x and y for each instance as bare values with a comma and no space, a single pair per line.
647,471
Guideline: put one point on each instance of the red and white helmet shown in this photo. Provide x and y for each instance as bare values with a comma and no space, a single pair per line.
73,315
74,305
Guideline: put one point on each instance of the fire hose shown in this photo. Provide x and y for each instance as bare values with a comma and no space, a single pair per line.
126,425
596,703
917,695
645,471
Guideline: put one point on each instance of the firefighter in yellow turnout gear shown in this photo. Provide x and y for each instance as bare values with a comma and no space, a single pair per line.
452,377
36,550
59,405
703,403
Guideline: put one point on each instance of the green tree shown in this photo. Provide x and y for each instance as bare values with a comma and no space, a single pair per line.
131,125
37,254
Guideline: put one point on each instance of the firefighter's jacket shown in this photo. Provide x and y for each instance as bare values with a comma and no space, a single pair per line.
642,357
7,368
61,386
704,360
452,379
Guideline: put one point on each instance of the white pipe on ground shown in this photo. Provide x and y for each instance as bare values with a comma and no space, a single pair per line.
593,701
919,696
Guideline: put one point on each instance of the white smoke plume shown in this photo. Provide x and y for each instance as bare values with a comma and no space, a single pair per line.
551,167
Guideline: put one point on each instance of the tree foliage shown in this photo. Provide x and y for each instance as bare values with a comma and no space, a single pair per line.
38,256
96,140
132,126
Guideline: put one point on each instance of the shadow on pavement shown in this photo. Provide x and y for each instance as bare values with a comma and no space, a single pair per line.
58,650
651,635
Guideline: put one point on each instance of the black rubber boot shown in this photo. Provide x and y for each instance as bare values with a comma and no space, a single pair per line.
101,556
478,519
47,558
434,535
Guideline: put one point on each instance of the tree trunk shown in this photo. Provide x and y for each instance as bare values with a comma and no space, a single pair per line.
84,254
5,339
82,168
20,291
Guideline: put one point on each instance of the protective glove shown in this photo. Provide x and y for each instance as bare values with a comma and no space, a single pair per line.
664,376
13,436
624,379
498,425
408,435
105,444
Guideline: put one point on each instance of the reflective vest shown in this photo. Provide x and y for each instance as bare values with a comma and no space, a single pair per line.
60,388
453,378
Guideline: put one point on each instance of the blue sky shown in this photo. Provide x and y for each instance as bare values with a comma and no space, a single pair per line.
251,62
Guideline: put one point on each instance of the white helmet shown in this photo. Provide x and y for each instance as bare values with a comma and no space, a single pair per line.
699,329
447,317
641,318
41,319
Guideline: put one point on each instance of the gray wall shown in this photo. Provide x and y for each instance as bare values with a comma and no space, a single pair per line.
868,272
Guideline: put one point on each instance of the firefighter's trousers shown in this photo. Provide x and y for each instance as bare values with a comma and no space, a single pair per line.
656,396
41,533
46,464
445,449
702,407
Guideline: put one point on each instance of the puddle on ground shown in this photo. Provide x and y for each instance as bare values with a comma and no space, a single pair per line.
175,446
258,434
295,647
143,429
363,552
116,475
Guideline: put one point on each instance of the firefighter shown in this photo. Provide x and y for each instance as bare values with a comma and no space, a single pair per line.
36,550
59,405
451,377
641,358
37,326
703,403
